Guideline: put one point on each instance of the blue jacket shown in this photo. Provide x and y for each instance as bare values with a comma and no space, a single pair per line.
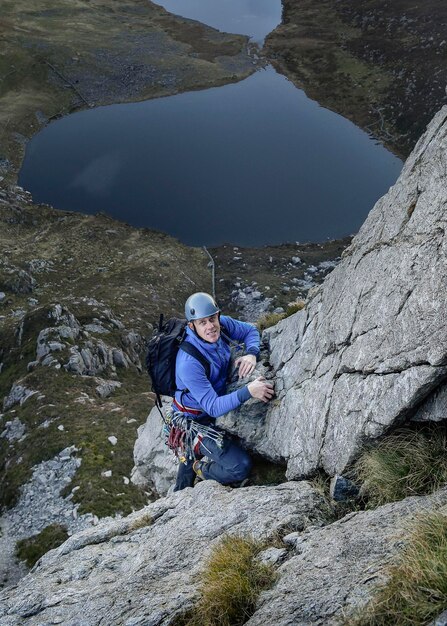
208,395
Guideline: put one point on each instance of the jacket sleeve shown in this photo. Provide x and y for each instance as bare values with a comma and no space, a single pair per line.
192,374
242,332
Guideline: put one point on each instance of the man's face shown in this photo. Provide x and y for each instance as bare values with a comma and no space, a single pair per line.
208,328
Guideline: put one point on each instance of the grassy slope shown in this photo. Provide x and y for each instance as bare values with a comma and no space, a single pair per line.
381,64
147,273
58,55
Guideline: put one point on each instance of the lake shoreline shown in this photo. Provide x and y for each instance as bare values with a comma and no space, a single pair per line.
52,66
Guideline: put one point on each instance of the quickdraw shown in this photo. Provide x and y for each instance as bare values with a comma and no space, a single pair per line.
184,436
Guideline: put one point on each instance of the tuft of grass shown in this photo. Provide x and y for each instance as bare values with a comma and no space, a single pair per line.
270,319
406,463
32,548
416,591
142,522
231,583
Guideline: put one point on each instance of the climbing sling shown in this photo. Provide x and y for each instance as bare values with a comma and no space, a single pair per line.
185,436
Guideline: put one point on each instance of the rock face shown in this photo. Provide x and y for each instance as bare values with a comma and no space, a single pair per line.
371,346
155,465
143,569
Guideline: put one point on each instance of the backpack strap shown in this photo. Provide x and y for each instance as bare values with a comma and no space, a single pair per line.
225,337
195,352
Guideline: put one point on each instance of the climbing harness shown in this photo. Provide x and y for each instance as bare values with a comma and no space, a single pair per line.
185,436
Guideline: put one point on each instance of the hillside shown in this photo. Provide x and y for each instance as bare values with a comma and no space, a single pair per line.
381,64
78,294
58,56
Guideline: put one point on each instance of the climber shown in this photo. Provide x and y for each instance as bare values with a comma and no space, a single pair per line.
202,399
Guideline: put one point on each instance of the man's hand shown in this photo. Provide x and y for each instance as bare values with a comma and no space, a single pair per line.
246,365
261,389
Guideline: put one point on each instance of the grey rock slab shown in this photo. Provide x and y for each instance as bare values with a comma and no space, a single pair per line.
14,430
18,395
371,346
106,387
334,571
144,569
155,465
96,328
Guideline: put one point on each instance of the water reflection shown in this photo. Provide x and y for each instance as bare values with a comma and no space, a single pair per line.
255,18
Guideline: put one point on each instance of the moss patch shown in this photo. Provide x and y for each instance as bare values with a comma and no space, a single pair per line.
405,463
31,549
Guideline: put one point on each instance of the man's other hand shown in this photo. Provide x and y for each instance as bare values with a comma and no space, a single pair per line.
261,389
246,365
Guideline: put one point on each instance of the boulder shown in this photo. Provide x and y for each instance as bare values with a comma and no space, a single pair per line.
14,430
143,569
332,572
105,388
155,465
370,348
18,395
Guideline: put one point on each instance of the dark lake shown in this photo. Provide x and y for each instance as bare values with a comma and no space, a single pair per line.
250,163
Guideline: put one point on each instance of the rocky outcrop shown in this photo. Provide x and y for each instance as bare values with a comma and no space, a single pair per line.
371,345
144,569
90,354
332,572
18,395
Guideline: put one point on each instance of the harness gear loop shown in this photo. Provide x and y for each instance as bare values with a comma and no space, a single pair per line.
185,436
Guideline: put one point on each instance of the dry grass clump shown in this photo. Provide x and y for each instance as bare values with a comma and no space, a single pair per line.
416,592
270,319
406,463
141,522
231,582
